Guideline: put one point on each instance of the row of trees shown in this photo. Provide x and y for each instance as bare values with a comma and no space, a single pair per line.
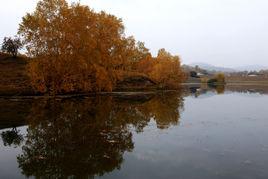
74,49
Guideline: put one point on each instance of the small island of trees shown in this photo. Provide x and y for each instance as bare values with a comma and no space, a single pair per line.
73,49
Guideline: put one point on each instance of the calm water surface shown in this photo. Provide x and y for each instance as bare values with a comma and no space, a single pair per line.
195,133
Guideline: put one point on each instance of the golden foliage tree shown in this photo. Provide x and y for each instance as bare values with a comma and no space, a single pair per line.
75,49
220,77
166,70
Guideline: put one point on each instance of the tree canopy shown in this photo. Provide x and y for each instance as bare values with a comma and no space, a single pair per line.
76,49
11,45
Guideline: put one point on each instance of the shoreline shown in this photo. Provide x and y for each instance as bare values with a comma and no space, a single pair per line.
250,83
65,96
125,93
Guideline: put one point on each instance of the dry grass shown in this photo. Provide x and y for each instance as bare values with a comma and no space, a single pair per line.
14,79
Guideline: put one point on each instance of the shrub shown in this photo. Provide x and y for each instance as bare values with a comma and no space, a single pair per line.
213,80
193,74
166,70
219,78
11,46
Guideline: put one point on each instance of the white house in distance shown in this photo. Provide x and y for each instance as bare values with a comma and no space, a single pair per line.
201,74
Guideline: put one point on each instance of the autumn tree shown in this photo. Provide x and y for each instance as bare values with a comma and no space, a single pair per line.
11,46
166,70
220,77
130,53
146,65
217,79
87,138
75,49
139,53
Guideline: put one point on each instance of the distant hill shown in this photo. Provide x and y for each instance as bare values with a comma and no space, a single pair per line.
229,70
251,68
212,68
188,68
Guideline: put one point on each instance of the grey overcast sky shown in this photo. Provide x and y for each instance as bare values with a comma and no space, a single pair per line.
226,33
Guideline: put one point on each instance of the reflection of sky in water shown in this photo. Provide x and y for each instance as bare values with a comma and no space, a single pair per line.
8,158
217,136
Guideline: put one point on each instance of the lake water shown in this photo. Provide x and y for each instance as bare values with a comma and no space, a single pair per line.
193,133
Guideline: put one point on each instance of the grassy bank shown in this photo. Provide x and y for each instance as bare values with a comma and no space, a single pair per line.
13,75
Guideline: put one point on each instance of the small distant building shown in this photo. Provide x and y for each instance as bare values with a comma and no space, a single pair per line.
200,74
253,74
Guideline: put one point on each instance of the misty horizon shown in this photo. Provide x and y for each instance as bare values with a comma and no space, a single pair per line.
252,67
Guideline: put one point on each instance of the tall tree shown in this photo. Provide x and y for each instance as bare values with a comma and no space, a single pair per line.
167,70
78,50
74,47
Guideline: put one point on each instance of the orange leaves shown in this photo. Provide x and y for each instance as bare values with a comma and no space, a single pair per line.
37,76
78,50
220,77
165,69
146,65
103,81
73,47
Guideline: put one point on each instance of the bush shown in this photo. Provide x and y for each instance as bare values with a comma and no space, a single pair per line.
11,46
166,70
219,78
213,80
193,74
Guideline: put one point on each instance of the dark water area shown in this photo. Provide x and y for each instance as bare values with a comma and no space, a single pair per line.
210,133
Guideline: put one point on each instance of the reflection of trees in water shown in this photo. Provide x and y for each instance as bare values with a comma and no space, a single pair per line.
165,109
258,88
88,137
204,89
68,138
218,88
12,137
